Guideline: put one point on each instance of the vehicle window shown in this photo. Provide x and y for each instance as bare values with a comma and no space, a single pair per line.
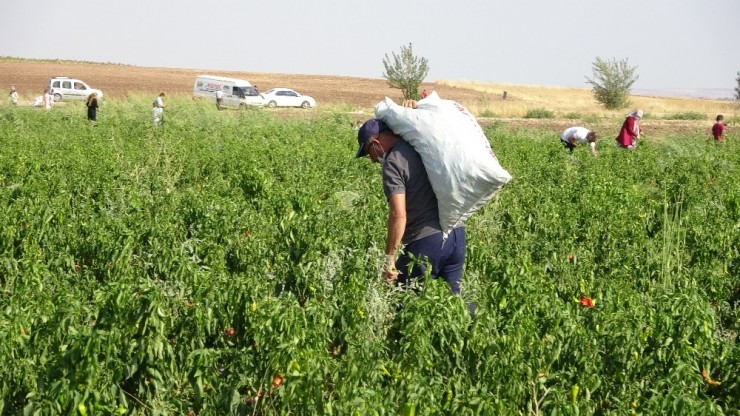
291,93
79,86
250,92
238,92
281,93
55,84
66,84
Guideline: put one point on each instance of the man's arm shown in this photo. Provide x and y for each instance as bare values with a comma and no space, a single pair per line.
396,227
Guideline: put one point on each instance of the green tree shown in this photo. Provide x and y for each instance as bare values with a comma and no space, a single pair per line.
737,89
405,71
611,82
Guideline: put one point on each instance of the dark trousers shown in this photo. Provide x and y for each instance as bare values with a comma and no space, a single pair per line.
446,257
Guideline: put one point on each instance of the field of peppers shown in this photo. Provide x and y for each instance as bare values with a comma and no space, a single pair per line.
229,263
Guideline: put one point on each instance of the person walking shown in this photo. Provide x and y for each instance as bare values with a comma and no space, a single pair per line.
574,135
630,131
13,96
413,215
424,94
718,129
92,106
219,98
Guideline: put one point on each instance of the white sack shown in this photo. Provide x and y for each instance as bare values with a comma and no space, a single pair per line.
463,171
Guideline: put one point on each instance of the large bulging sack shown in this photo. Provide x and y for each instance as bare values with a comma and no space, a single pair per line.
462,168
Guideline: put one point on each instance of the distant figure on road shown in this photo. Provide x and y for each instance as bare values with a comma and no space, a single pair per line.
92,106
582,135
219,98
49,98
13,96
424,94
718,129
630,131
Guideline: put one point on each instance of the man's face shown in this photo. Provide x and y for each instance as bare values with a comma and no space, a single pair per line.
371,149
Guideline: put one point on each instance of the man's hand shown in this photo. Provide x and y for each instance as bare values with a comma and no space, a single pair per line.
390,274
410,103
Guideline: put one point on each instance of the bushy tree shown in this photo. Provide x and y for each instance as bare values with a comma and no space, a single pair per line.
737,89
612,80
405,71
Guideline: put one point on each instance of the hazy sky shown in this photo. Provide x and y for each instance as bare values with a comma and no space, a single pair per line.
676,44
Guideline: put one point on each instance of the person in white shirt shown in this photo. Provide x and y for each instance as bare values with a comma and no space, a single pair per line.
582,135
219,98
49,98
13,96
158,109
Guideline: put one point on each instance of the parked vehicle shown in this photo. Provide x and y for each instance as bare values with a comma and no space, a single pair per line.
65,88
238,93
285,97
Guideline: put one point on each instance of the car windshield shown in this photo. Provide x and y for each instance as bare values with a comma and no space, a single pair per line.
248,91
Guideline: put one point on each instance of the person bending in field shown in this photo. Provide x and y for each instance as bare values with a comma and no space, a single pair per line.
718,130
582,135
413,214
630,131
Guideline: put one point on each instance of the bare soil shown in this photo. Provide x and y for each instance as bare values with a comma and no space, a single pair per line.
359,95
117,81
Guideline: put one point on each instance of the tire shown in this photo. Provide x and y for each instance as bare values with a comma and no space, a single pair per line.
305,104
272,104
57,96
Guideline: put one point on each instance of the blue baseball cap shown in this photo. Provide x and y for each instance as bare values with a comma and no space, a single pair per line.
368,130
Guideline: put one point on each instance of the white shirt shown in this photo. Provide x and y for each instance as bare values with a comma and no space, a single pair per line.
160,102
219,94
578,134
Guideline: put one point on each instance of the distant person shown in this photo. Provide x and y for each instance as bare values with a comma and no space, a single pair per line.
92,106
159,104
576,135
49,98
424,94
219,98
13,96
718,130
156,114
630,131
256,90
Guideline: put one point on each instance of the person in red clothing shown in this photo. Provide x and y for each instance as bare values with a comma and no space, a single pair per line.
424,94
630,131
718,129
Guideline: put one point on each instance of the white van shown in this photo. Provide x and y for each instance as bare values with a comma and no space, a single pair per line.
238,93
65,88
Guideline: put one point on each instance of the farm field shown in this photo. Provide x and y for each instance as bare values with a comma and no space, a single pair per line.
229,263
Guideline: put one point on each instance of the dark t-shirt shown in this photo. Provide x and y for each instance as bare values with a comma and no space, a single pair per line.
404,173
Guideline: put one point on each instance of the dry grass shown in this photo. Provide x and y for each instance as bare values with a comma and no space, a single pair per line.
565,101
